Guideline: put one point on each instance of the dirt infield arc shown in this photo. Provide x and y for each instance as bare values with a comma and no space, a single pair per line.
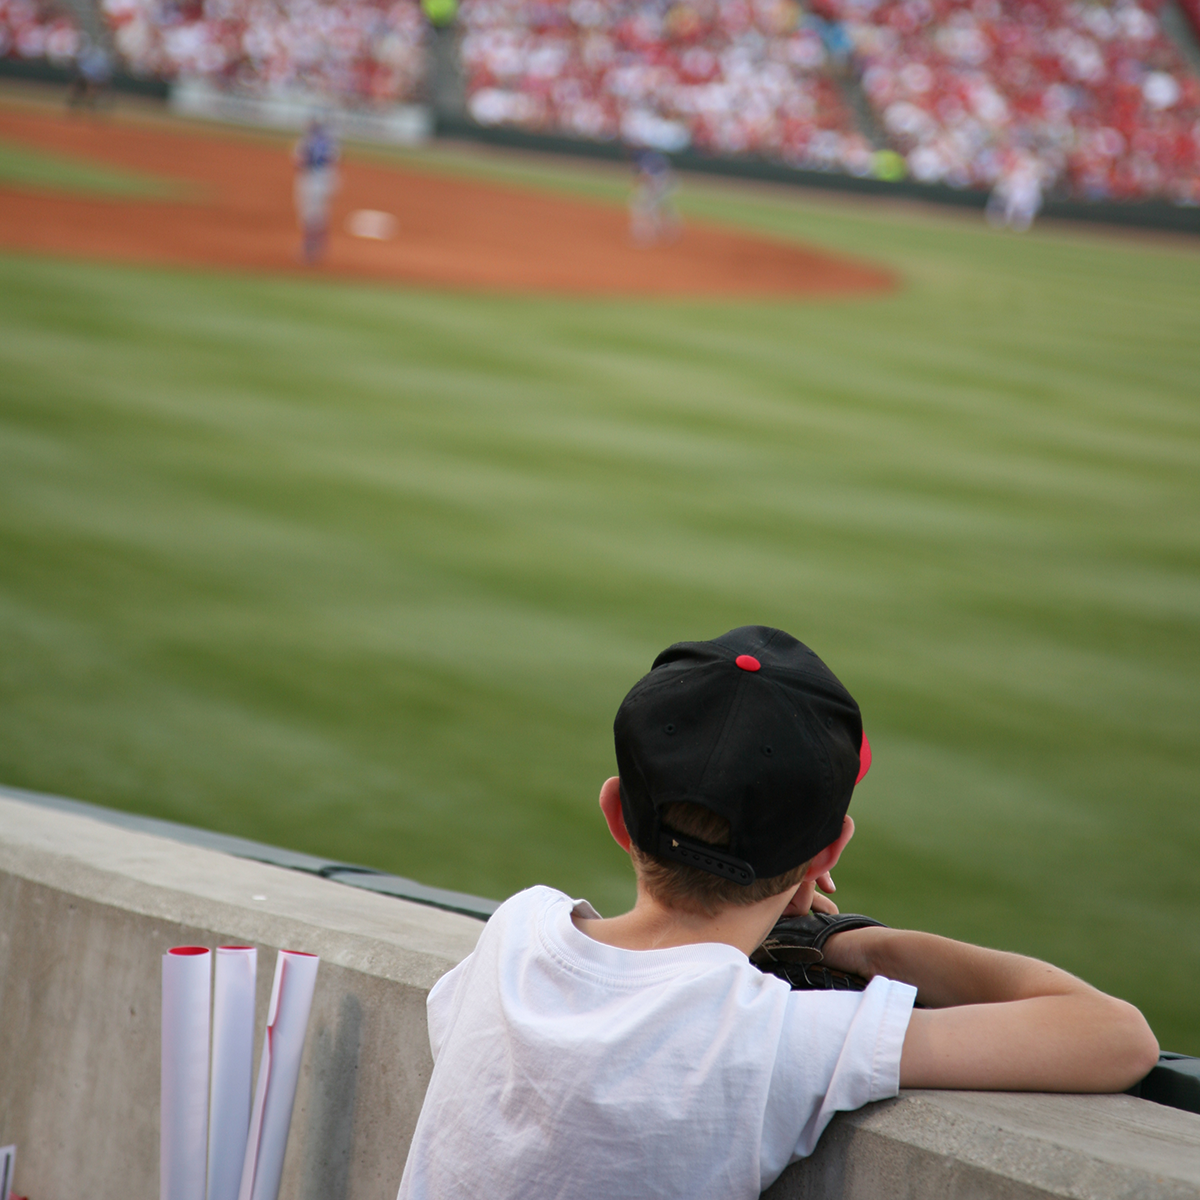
451,232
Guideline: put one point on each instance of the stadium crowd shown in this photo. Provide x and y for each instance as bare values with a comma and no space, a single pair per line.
34,29
1088,97
1095,94
360,51
739,76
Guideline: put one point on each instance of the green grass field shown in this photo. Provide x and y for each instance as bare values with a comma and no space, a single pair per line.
365,571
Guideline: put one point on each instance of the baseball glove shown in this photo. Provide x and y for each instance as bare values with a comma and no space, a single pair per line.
793,951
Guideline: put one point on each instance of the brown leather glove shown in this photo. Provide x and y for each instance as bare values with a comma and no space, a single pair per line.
793,951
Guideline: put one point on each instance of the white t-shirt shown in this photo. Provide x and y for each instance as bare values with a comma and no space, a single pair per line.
566,1069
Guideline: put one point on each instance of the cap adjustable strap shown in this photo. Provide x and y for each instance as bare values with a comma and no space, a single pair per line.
697,854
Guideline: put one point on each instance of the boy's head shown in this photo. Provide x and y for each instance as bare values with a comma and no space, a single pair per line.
737,758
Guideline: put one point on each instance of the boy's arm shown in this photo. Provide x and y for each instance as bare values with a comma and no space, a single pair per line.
1000,1021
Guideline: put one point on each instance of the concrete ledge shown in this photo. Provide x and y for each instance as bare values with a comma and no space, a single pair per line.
349,873
86,911
1003,1146
87,908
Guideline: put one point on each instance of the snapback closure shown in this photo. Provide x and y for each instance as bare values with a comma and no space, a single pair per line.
692,853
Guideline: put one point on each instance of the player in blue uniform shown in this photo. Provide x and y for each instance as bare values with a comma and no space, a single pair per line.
316,159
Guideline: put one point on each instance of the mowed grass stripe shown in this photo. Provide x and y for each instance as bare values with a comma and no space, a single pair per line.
366,571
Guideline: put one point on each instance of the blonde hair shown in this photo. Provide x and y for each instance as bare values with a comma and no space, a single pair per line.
692,890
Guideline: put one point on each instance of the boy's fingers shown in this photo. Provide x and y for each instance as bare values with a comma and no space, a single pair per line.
822,904
826,884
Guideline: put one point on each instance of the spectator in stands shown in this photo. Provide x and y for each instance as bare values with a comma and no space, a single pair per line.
363,52
1099,93
38,29
726,78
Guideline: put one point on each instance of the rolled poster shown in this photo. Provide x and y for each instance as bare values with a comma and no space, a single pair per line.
8,1157
278,1074
232,1068
183,1145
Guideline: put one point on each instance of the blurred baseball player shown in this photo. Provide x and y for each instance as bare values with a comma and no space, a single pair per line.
316,158
1017,196
652,216
93,74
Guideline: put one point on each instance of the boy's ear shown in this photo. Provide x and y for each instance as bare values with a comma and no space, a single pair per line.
610,806
825,860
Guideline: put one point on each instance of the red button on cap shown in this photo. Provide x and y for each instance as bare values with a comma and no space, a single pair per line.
747,662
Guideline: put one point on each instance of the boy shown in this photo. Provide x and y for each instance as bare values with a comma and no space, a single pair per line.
643,1055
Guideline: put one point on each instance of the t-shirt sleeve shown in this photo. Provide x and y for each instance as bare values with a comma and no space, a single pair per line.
447,996
439,1005
837,1052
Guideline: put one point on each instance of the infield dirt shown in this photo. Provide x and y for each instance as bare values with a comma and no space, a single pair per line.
450,232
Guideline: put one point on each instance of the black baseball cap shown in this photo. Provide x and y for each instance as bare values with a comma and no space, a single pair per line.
753,726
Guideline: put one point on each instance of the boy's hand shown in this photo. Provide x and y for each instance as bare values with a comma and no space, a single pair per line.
821,904
800,904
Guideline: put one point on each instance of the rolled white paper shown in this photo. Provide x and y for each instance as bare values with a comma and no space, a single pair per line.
278,1074
8,1158
232,1068
183,1145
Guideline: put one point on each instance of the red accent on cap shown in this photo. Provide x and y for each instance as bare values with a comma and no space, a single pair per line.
864,758
747,662
188,950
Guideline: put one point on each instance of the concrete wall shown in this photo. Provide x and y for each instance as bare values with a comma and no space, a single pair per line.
87,909
1002,1146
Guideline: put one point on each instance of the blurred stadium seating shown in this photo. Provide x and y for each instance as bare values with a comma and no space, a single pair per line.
1095,94
727,78
358,51
34,29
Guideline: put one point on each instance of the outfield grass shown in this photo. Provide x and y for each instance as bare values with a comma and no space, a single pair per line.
366,571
